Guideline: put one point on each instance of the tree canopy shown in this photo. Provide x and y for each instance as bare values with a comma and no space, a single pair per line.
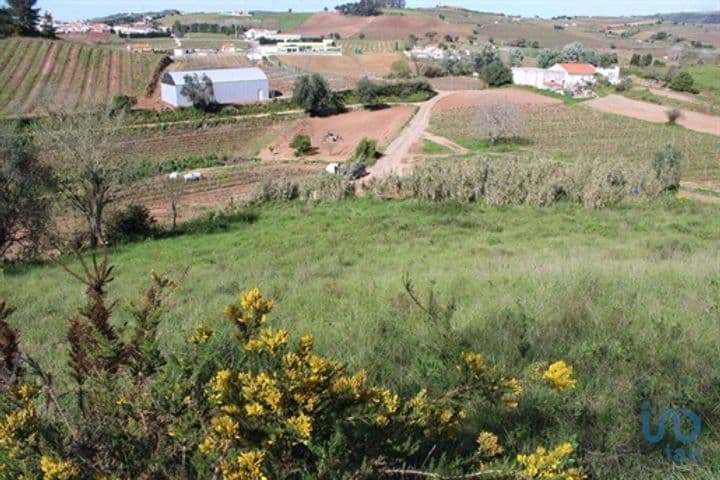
25,16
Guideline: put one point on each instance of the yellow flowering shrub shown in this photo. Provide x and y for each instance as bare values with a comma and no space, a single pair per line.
559,375
58,470
261,407
555,464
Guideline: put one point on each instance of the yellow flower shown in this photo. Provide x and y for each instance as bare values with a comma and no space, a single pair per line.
474,360
201,335
59,470
559,374
247,466
553,464
267,341
25,393
488,445
225,427
254,409
301,424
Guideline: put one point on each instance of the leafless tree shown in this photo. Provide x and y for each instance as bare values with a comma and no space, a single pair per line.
88,152
500,121
173,193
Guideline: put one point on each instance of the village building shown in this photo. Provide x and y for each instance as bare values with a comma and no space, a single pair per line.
430,52
230,86
564,77
140,48
228,47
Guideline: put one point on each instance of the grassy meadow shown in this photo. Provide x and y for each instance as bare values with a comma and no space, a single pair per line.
630,296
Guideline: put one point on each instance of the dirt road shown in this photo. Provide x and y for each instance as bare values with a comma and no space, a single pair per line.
655,113
396,158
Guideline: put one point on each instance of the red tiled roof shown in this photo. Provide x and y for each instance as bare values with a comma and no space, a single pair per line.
578,68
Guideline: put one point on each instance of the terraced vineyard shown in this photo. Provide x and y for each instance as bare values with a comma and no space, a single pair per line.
67,75
359,46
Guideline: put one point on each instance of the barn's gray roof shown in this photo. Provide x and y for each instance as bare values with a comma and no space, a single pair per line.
222,75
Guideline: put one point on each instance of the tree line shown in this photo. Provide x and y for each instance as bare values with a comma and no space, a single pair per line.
369,8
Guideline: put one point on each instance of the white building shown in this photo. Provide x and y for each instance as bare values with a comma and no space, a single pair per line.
231,85
257,33
564,76
575,74
538,78
426,53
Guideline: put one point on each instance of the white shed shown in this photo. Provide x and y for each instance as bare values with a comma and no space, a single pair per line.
231,85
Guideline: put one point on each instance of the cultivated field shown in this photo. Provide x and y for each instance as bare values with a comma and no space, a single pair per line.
381,125
575,132
357,66
358,46
267,20
67,75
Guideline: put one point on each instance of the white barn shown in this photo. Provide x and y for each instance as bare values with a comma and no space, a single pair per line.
231,85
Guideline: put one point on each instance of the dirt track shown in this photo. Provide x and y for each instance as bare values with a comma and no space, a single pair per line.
396,158
655,113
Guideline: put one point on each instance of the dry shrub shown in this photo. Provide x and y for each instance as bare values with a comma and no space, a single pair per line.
501,120
325,187
538,183
507,183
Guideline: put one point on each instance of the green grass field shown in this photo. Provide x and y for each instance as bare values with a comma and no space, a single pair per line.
270,20
707,77
630,296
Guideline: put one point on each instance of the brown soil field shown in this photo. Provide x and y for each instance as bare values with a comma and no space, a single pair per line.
210,62
87,37
456,83
371,65
382,27
219,188
477,98
380,125
655,113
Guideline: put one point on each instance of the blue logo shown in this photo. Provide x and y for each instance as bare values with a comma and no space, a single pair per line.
687,452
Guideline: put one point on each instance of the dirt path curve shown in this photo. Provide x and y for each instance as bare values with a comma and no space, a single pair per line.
446,143
654,113
396,158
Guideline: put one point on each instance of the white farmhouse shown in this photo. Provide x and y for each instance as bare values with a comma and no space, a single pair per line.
257,33
575,74
538,78
426,53
231,85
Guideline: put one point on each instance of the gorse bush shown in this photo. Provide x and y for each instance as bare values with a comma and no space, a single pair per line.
667,167
302,145
259,405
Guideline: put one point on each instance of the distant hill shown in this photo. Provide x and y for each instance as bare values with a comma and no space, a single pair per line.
119,18
692,17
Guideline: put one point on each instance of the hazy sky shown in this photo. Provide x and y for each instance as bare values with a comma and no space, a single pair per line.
71,9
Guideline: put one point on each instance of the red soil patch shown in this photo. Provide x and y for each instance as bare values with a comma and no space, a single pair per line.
381,125
372,65
382,27
655,113
88,37
479,98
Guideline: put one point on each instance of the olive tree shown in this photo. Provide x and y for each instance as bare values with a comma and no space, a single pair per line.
88,152
25,185
199,90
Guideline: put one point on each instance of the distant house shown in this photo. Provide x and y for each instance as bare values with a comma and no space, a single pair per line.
575,74
257,33
228,47
139,47
564,77
430,52
181,52
230,85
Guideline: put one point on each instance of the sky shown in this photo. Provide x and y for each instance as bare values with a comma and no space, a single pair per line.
76,9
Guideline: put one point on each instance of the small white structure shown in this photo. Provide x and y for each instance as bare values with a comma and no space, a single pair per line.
193,177
231,85
612,74
228,47
174,176
181,52
257,33
332,168
426,53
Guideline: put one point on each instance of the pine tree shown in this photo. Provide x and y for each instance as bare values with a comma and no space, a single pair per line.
25,15
47,26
